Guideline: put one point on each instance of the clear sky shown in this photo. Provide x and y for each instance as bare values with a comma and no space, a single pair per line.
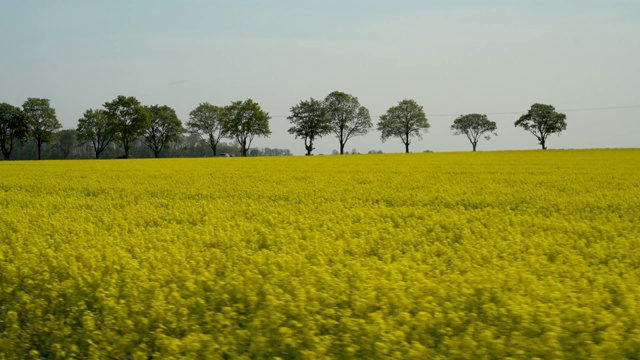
453,57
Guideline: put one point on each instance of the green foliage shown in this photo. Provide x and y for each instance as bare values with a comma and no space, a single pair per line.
310,121
245,120
207,121
94,126
165,127
473,126
128,119
348,117
542,120
42,121
404,120
13,126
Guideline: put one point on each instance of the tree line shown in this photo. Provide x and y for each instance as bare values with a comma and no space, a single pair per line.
126,122
65,145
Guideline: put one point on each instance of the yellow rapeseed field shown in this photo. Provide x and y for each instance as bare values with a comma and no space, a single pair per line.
489,255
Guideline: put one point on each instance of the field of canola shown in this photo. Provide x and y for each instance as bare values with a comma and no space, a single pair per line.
489,255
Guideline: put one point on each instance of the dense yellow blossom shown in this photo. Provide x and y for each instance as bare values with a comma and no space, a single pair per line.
490,255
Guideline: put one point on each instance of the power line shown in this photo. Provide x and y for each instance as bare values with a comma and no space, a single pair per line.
604,108
561,110
521,112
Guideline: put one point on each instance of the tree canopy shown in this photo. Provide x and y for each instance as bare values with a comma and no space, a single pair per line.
150,129
13,126
207,121
473,126
42,121
542,120
404,120
310,122
348,117
94,126
245,120
164,127
128,120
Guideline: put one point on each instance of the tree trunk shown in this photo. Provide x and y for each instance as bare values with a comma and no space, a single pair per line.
342,148
6,152
406,147
156,153
39,151
97,155
214,148
544,146
309,146
474,146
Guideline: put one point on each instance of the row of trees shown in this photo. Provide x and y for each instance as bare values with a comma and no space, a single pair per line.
343,115
65,145
125,121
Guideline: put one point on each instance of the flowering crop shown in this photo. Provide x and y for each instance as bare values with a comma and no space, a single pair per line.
488,255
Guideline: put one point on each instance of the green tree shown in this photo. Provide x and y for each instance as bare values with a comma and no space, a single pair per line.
245,120
13,126
310,122
348,118
474,125
65,141
42,121
542,120
165,127
404,120
128,120
94,126
207,121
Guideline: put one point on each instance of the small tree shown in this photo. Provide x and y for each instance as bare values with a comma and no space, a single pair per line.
404,120
348,118
207,121
94,126
13,126
65,141
310,121
128,120
42,121
165,127
542,120
474,125
245,120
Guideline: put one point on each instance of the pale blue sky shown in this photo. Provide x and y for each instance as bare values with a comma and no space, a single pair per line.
453,57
